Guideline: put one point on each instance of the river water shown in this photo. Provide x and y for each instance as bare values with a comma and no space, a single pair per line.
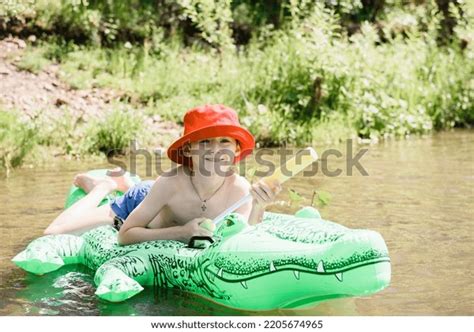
418,194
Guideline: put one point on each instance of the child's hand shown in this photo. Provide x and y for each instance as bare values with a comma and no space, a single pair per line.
193,228
263,193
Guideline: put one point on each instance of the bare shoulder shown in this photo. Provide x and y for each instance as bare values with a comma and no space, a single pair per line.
169,181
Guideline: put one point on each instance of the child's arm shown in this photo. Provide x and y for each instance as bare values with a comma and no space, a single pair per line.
256,214
178,233
134,229
263,195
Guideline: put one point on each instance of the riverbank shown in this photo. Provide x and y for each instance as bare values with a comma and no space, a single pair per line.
310,80
42,116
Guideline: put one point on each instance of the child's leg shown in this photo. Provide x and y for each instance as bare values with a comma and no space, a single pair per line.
88,219
84,214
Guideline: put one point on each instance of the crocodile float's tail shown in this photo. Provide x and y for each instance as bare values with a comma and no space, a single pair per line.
49,253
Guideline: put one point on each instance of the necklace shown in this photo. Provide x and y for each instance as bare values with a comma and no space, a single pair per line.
203,201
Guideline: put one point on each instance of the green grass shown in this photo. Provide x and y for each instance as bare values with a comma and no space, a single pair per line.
17,139
33,61
113,134
403,87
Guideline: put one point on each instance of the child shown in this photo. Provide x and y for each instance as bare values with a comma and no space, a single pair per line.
173,206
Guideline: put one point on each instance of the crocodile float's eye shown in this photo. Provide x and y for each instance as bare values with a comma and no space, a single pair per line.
230,223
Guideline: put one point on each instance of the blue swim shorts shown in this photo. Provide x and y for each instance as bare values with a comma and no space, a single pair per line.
124,205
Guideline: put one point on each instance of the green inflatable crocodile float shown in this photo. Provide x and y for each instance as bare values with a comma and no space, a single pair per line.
284,262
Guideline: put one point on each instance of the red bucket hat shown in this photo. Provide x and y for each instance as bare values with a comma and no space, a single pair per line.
211,121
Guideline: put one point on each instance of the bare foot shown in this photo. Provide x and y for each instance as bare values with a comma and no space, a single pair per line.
115,180
122,180
88,182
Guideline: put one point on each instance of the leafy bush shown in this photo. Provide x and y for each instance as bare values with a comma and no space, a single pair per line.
309,78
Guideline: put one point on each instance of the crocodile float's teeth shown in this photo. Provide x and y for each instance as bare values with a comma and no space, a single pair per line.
244,284
339,276
272,267
219,273
320,268
297,274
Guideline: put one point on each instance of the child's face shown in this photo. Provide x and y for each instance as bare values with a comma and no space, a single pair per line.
214,154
